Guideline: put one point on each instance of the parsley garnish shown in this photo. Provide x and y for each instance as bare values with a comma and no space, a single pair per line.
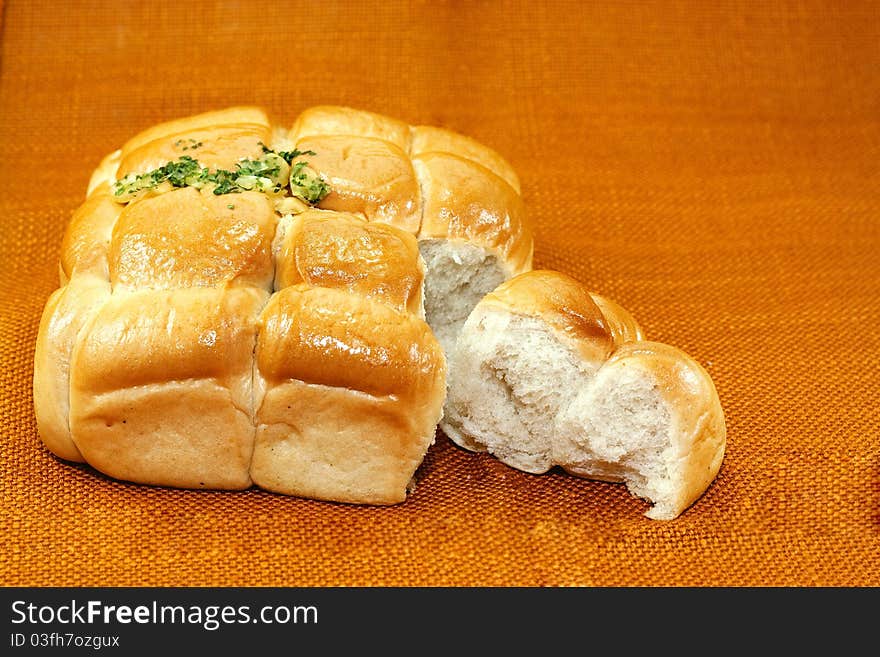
288,156
267,174
306,184
187,144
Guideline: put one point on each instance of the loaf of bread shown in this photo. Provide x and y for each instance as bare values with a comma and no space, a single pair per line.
547,374
244,303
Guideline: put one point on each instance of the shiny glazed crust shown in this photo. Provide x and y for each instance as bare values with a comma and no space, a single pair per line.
594,325
429,181
432,182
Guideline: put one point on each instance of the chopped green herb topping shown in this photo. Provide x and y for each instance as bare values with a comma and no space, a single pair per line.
183,172
306,184
270,174
187,144
288,156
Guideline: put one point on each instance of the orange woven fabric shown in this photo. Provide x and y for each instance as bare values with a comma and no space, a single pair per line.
713,167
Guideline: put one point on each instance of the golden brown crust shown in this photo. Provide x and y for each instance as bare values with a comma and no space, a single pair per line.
432,182
343,251
428,139
189,238
566,305
699,431
371,163
216,139
333,338
161,387
66,312
87,238
620,322
366,175
466,201
153,336
325,120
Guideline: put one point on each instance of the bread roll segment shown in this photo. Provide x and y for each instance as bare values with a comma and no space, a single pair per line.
350,122
217,139
343,251
547,374
369,176
161,387
652,420
64,315
474,235
87,238
350,394
429,139
187,238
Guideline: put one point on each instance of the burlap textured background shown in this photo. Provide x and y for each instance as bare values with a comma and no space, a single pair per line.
714,167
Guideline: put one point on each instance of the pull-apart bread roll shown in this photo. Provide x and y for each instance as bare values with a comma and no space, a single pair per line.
547,374
214,329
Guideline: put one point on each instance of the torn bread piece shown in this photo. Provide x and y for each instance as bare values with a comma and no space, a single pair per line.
547,374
